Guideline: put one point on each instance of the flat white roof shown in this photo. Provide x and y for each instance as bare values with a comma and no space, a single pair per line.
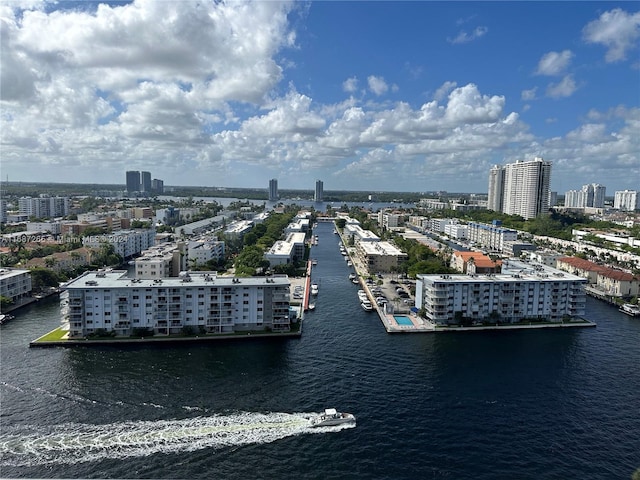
119,279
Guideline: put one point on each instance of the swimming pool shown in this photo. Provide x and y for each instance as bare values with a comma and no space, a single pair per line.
403,320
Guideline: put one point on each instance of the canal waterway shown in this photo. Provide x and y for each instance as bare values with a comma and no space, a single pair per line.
544,404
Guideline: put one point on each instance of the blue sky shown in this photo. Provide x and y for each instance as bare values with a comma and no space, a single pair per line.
395,96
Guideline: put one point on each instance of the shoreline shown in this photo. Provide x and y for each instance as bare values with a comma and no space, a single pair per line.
426,329
166,340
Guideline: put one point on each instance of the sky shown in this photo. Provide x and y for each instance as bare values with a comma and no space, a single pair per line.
371,96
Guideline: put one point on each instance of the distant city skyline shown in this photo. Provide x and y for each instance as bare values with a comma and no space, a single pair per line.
378,96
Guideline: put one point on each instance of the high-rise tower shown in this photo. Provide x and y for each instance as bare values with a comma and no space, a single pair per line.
145,182
133,181
319,193
525,188
273,190
496,183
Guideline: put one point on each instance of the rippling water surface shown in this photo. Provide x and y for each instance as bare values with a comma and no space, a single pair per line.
493,405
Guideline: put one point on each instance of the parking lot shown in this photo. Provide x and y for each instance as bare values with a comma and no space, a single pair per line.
391,290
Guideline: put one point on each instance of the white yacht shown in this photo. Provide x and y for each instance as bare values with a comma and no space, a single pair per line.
331,417
366,306
631,309
314,289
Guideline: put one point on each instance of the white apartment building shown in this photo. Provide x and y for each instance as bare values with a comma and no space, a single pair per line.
379,256
55,228
161,261
456,231
126,243
44,207
355,232
199,252
238,229
525,188
201,226
389,220
523,292
628,200
590,196
15,284
433,204
418,221
298,225
112,301
493,237
439,224
287,251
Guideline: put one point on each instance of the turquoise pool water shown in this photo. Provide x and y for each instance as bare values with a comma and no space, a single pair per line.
403,320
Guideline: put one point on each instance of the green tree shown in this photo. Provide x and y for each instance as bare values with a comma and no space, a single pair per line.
5,302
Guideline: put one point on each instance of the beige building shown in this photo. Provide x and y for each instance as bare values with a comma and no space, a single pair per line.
608,280
379,256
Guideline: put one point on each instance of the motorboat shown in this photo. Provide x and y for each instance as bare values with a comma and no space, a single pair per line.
314,289
352,276
366,306
330,417
630,309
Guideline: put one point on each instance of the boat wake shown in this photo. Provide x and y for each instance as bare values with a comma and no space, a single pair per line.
74,443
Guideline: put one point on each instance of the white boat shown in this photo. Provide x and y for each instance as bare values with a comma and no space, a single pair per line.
331,417
312,306
352,276
366,306
314,289
314,262
630,309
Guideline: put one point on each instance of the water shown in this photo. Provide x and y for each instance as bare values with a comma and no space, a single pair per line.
557,404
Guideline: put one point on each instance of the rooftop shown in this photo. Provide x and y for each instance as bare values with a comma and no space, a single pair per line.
119,279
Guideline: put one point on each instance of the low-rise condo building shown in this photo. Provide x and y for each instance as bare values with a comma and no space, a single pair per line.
492,236
286,251
112,301
523,292
380,256
126,243
15,284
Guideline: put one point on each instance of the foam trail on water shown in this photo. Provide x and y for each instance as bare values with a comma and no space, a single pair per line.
74,443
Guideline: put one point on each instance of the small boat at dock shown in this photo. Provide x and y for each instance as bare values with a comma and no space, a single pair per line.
630,309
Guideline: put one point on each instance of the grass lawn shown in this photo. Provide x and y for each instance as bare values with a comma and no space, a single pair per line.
54,335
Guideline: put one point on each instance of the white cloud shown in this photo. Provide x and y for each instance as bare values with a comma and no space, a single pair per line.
528,95
466,104
444,89
350,84
377,85
464,37
554,63
617,30
565,88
